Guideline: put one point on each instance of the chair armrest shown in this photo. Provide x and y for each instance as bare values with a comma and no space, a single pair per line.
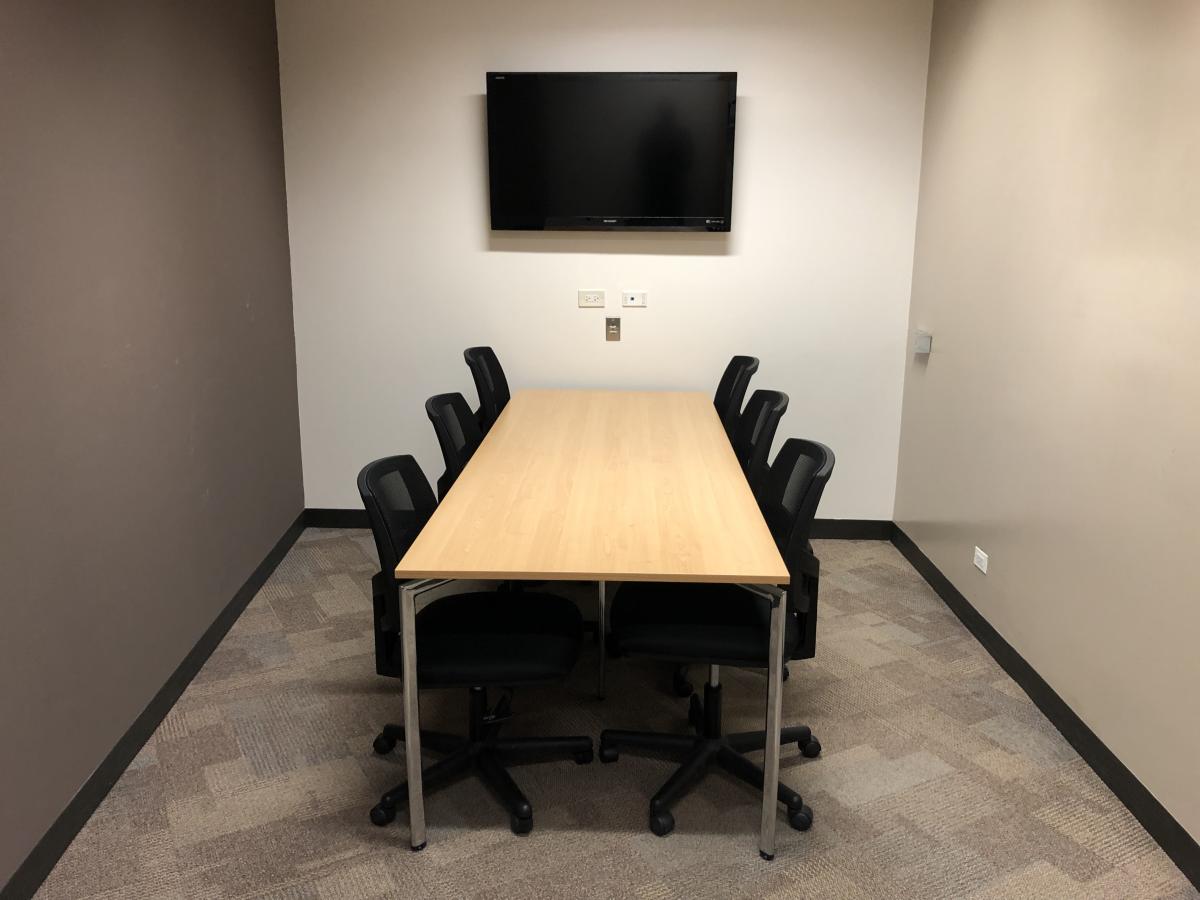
810,566
802,594
383,587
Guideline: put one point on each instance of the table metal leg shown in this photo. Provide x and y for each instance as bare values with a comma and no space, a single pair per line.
601,630
412,717
766,839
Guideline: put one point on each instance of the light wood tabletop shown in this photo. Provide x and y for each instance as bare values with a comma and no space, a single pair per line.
600,486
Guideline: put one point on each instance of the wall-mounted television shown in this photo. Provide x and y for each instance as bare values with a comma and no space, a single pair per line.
611,150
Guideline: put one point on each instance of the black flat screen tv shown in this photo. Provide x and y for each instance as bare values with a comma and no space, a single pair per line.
611,150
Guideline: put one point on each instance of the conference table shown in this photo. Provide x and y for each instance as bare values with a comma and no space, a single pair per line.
598,486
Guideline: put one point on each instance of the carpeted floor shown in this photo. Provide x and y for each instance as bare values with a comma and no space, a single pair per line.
939,778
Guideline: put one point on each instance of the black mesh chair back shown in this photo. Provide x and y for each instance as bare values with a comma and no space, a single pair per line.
399,501
791,492
732,390
756,432
458,434
490,384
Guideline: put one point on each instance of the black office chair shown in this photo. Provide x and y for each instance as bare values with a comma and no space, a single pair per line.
727,625
473,640
458,435
755,433
732,390
752,440
490,384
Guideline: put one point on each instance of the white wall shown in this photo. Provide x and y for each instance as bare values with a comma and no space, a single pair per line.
395,271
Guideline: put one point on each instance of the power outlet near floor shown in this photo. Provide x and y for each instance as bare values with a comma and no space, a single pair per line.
981,560
591,299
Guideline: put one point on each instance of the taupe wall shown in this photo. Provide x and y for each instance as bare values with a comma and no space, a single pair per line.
148,425
1056,424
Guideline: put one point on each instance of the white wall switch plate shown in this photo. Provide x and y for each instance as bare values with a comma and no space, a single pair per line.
922,343
591,299
633,298
981,560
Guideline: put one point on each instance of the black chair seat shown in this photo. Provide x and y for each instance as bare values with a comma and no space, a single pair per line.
719,623
497,638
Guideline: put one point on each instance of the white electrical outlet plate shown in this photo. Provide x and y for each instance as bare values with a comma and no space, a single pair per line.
634,299
591,299
981,560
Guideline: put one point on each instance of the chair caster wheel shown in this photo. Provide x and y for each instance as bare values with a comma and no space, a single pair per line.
608,754
583,757
419,847
384,745
696,713
382,815
810,748
662,823
680,684
521,826
765,855
801,819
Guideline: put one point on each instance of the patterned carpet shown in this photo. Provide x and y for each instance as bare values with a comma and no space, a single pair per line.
939,779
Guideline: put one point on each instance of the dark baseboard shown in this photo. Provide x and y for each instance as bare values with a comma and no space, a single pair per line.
853,529
1180,846
42,859
335,518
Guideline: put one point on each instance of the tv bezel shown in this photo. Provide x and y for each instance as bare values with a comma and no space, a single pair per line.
714,223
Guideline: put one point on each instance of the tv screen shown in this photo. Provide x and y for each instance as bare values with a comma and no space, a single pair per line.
611,150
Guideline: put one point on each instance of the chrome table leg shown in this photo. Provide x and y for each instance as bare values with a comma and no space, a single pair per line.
766,839
412,711
602,628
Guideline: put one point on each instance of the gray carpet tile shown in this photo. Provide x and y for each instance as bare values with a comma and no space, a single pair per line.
939,778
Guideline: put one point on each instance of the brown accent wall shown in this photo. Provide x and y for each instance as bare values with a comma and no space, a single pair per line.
149,442
1057,423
